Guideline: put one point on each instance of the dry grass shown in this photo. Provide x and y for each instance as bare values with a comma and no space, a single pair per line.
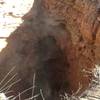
7,83
89,94
92,92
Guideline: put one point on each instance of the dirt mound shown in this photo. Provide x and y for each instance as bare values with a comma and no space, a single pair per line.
59,41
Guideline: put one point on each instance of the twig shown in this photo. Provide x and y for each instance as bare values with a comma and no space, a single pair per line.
23,92
41,92
35,96
33,84
8,87
7,75
8,81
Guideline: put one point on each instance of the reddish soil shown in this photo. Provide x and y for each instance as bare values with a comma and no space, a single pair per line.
59,41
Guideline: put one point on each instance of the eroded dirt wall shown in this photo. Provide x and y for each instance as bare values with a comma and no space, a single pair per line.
60,42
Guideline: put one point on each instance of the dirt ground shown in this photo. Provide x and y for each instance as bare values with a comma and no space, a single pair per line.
11,13
11,17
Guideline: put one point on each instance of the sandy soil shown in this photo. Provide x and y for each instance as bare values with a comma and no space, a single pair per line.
11,13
